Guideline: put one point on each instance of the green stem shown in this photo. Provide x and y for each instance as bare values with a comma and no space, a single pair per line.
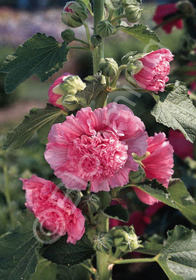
98,52
103,271
120,69
7,194
81,41
175,17
88,35
79,48
117,18
139,260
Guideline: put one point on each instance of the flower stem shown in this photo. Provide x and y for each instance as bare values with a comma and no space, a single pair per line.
139,260
103,271
98,52
81,41
88,35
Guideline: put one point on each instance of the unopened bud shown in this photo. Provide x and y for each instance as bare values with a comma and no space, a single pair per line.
68,35
74,14
108,67
96,40
104,28
133,12
125,240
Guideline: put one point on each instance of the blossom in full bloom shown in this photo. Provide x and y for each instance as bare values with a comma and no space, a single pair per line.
157,165
96,147
53,209
162,12
182,147
155,70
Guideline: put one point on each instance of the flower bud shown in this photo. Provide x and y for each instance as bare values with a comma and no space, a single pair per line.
74,14
68,35
103,242
109,67
104,28
124,240
133,12
62,93
137,176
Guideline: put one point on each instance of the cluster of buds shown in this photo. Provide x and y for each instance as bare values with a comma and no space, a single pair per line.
63,93
117,242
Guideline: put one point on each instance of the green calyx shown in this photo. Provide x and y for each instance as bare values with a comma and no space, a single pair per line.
133,13
68,35
108,67
104,28
74,14
137,177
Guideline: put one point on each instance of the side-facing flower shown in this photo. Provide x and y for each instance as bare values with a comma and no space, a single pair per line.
161,14
182,147
157,165
96,147
53,209
63,90
155,70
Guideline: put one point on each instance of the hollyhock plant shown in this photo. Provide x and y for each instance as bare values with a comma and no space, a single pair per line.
182,147
53,209
157,165
162,12
155,70
96,147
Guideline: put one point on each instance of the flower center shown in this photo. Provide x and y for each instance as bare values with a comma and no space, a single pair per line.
98,156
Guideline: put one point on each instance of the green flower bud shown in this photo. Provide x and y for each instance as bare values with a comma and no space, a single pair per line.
96,40
74,14
93,203
68,89
108,67
104,28
68,35
103,242
137,176
134,67
133,12
124,240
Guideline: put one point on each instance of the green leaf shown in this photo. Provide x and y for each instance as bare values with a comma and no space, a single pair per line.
183,200
36,120
45,270
175,109
40,55
18,257
152,246
117,212
178,256
140,32
75,272
68,254
175,196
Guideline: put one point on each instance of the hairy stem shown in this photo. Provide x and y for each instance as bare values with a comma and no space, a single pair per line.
139,260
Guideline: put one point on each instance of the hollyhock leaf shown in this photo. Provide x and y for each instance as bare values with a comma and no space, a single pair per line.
45,270
38,119
40,55
18,256
152,246
178,257
117,212
75,272
63,253
184,201
140,32
175,109
105,199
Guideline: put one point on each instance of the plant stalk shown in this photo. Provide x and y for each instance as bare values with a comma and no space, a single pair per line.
103,271
98,52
